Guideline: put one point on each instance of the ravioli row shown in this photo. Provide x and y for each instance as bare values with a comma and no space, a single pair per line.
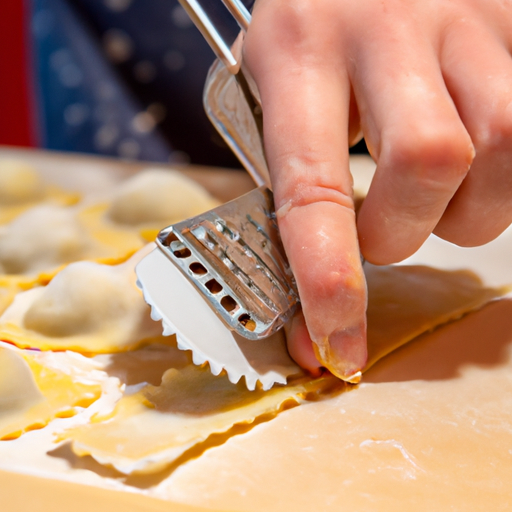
43,227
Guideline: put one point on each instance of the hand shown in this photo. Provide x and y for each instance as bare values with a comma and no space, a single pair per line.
429,84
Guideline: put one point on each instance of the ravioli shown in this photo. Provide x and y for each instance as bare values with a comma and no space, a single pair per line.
87,307
48,236
32,394
155,198
40,234
21,187
155,426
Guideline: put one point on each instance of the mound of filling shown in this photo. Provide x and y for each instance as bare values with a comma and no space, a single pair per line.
158,197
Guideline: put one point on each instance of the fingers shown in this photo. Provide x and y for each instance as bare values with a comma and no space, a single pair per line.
481,88
421,146
305,100
427,94
300,346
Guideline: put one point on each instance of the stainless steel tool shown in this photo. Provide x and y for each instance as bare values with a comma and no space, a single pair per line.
221,281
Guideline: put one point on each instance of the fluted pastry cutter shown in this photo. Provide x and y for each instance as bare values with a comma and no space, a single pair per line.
221,281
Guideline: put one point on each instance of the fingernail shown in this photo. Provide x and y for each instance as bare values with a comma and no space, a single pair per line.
347,354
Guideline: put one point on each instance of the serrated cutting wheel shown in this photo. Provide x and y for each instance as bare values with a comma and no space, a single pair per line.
221,283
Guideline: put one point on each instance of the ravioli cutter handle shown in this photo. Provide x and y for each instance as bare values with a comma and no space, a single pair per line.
220,22
230,98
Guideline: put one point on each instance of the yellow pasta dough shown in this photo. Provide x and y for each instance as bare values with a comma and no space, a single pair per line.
19,183
32,394
62,496
40,233
48,236
112,242
10,286
432,431
428,429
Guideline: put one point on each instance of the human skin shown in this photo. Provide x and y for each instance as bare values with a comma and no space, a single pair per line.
429,85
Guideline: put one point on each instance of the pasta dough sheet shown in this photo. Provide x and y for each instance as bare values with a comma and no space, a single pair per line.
19,493
428,429
32,394
432,431
406,301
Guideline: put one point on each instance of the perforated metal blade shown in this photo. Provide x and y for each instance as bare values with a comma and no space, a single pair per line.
221,283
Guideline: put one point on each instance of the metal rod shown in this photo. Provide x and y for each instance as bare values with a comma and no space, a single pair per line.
239,12
210,33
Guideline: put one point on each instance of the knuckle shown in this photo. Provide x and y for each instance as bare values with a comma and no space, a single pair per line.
495,134
432,156
282,22
296,16
307,194
287,29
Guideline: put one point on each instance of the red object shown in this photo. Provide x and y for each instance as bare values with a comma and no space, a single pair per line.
16,100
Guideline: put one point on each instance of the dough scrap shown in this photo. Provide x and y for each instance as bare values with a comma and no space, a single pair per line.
32,394
152,428
21,187
87,307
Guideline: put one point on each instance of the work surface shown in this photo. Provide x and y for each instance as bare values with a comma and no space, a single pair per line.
430,427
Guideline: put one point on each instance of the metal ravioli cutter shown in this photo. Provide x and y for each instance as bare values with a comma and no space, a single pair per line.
221,281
